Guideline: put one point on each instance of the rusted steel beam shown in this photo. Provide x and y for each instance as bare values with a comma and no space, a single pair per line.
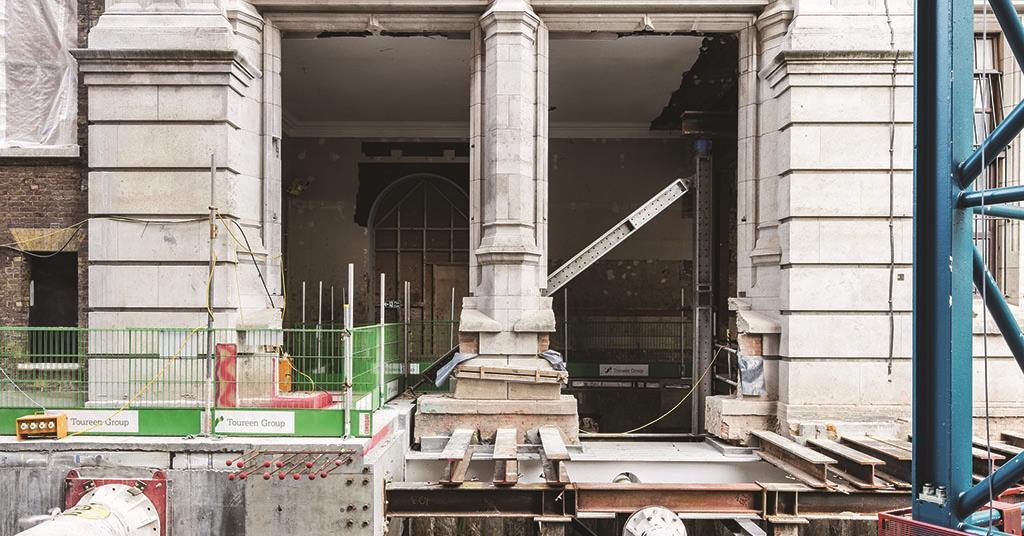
983,463
1000,447
851,464
477,499
897,460
506,472
809,466
1013,438
726,501
459,453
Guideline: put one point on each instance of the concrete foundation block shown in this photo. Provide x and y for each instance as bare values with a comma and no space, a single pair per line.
534,391
508,343
531,363
438,415
469,389
732,419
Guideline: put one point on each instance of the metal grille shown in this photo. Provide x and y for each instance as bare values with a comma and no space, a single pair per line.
167,368
624,341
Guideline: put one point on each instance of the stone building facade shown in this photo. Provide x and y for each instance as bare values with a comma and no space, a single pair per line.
172,88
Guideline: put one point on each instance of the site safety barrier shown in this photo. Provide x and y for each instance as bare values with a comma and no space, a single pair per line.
149,381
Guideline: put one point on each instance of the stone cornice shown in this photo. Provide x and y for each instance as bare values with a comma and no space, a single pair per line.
165,67
181,60
540,6
775,20
144,55
862,62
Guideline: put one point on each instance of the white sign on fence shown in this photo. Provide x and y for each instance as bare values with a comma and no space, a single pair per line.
106,421
255,422
624,370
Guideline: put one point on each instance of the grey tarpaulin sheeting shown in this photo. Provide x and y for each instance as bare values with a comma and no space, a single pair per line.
751,375
554,358
459,358
445,371
38,78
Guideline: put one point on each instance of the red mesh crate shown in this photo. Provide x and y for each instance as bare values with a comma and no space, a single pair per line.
899,523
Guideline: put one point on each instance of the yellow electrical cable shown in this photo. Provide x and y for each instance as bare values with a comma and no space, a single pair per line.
87,220
209,284
248,250
678,404
47,235
306,376
238,295
177,354
144,388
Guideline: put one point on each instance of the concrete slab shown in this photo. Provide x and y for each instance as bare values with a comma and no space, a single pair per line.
438,415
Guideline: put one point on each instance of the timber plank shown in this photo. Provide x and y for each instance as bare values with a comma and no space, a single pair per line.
505,444
552,443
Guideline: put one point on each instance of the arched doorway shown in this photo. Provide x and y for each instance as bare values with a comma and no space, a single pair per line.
419,232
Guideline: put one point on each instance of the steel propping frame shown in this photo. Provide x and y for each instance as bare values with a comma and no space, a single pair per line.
946,262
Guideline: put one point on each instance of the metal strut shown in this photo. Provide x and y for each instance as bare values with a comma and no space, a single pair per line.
945,259
621,231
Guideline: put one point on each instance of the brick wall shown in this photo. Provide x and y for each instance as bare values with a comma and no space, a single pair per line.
37,193
47,192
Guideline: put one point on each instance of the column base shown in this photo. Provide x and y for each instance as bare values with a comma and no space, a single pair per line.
438,414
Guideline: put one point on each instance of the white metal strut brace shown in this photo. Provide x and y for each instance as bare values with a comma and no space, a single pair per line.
621,231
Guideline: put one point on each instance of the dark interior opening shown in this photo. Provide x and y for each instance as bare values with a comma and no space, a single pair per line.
54,291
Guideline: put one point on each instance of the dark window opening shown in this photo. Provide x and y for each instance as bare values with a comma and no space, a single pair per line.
53,291
53,302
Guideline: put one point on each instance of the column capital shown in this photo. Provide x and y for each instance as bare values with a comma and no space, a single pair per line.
509,13
163,25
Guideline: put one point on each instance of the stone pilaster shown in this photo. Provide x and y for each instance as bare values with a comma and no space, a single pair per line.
507,309
172,82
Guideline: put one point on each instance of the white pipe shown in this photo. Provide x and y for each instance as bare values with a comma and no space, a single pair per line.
110,510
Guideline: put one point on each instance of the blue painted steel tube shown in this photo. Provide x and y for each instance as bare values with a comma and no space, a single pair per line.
982,518
1000,211
1013,29
994,144
994,196
1001,480
997,306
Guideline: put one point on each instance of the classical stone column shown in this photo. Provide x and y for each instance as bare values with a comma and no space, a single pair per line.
507,319
172,82
507,314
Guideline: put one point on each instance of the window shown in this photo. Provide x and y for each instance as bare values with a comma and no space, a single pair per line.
38,78
990,234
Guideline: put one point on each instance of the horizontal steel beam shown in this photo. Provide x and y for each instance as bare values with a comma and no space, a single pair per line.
1001,211
722,501
992,196
729,500
476,499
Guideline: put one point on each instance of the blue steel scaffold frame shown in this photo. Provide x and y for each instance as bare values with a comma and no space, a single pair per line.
946,262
